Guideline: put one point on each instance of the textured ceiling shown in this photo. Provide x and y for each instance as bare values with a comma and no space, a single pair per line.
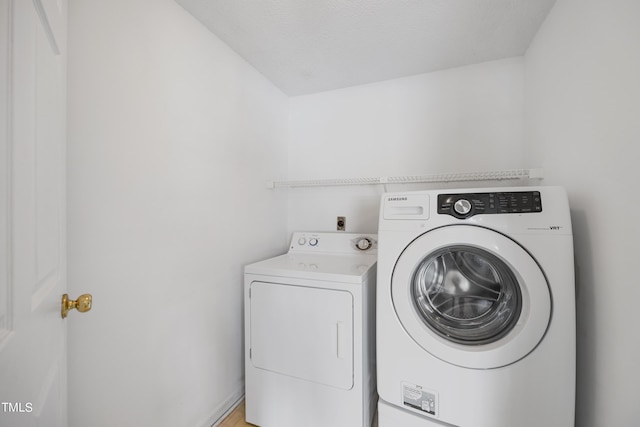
307,46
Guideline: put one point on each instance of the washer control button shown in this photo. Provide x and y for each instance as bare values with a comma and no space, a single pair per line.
313,242
302,241
462,206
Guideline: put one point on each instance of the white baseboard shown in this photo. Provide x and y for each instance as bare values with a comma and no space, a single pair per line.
224,409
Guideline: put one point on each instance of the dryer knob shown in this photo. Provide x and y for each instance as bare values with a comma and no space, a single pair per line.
364,244
462,206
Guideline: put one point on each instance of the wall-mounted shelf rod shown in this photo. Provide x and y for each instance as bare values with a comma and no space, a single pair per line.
509,174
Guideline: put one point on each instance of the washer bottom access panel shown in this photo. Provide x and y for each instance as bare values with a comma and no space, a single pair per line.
391,415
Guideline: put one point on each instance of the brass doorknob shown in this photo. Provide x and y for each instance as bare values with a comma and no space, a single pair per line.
82,304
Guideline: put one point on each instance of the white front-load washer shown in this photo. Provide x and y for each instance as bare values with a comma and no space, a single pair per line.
476,309
310,333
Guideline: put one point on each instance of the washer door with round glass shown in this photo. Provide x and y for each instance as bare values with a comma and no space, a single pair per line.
471,296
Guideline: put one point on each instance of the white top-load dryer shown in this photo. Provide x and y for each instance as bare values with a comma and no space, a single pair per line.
476,309
309,333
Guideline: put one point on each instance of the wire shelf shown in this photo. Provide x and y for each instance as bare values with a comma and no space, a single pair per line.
500,175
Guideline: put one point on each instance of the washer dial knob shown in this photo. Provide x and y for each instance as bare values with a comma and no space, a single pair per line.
313,242
364,244
462,206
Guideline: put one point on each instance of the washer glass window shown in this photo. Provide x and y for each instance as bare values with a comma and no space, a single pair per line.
466,295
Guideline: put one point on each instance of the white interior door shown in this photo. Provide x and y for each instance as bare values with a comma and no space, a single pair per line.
33,354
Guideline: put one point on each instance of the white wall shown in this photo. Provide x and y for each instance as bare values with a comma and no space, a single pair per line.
172,136
582,114
459,120
171,139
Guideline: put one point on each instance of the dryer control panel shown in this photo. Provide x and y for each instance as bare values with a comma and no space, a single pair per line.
333,243
465,205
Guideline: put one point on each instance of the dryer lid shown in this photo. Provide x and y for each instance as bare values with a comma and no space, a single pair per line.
471,296
333,268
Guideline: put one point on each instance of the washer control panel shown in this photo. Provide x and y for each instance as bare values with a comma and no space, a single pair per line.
465,205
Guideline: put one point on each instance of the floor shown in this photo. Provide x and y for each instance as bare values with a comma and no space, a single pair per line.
236,418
